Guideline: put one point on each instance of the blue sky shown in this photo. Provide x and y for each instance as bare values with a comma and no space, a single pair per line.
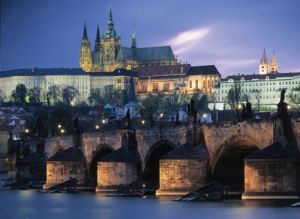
229,34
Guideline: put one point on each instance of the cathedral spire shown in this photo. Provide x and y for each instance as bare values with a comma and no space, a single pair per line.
274,59
133,41
85,35
264,59
97,35
111,29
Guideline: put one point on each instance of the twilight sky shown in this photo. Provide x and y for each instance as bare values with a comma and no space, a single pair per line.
230,34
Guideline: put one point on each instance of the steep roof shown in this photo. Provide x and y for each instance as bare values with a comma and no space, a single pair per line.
125,54
187,151
70,154
122,155
275,151
42,72
154,53
204,70
262,77
165,70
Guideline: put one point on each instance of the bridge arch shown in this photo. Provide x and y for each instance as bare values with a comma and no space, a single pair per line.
101,151
227,166
151,162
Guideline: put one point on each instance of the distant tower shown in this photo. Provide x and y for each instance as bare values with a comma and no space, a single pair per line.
264,64
97,62
85,52
110,45
274,64
133,41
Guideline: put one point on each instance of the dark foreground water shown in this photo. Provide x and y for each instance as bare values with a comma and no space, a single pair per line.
35,205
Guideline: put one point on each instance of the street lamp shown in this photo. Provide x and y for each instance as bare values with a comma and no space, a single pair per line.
59,126
143,122
161,115
26,131
97,127
289,107
62,131
103,121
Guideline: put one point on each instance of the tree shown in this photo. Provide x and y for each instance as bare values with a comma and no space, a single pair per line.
95,98
294,97
69,93
112,96
2,96
34,95
255,94
149,106
234,97
170,102
19,94
54,93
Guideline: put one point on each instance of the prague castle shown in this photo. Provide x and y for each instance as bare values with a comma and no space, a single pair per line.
109,54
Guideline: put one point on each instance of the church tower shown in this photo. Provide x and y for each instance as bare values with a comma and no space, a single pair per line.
85,52
97,58
110,46
274,64
264,64
133,40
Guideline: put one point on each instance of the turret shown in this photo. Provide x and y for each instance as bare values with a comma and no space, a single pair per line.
264,64
85,52
97,52
133,40
274,64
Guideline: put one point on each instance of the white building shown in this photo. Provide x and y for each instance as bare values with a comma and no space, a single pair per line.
261,90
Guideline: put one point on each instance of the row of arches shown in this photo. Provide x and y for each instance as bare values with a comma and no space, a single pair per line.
227,167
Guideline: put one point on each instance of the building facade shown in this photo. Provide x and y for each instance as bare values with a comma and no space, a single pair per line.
185,79
109,54
266,67
263,91
83,82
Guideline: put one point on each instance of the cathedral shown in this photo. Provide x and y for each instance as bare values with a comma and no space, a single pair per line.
109,54
265,67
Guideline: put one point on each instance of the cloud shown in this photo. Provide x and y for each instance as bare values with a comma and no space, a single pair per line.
186,40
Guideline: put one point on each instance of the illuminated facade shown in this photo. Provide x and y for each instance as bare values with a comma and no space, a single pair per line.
265,67
185,79
63,77
261,90
109,54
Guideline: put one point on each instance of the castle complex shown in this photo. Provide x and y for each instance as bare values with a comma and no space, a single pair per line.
109,54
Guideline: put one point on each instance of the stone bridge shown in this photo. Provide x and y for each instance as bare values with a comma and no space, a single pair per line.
221,139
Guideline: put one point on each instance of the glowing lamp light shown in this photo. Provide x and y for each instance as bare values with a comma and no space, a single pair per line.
62,131
103,121
27,131
204,115
289,107
161,115
59,126
97,127
240,106
143,122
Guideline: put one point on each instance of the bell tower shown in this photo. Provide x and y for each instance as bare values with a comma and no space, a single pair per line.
274,64
264,64
85,52
110,45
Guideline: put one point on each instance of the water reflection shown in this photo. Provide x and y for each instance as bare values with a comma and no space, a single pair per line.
35,205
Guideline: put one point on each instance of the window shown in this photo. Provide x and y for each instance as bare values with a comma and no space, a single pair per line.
191,85
196,84
155,87
119,80
167,87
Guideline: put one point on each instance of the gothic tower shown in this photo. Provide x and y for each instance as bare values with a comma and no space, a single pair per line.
133,40
97,58
110,45
264,64
274,64
85,52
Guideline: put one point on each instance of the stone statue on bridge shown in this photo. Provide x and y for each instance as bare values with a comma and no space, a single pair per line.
77,134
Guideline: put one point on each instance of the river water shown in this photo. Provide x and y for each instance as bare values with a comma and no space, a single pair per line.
35,205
